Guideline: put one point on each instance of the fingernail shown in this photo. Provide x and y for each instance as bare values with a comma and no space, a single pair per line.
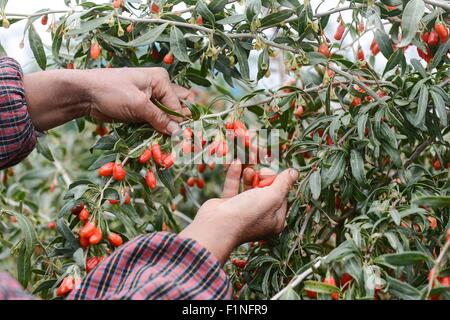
173,127
293,173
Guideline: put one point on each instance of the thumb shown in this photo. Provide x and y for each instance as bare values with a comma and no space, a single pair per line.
160,120
285,180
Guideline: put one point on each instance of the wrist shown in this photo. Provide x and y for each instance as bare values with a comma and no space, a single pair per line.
214,235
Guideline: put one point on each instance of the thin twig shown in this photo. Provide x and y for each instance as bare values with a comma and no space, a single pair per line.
419,150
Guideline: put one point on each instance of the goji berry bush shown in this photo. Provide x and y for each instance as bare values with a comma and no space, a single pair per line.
367,127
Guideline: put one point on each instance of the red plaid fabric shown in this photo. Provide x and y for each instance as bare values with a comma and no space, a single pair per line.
17,135
157,266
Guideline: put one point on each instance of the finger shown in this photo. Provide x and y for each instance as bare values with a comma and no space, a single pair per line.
232,180
183,93
164,92
248,175
266,173
284,181
160,120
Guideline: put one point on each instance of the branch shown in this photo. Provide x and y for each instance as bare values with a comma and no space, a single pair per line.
437,3
418,151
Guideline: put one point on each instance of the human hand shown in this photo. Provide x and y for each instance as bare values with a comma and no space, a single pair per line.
121,95
129,100
222,224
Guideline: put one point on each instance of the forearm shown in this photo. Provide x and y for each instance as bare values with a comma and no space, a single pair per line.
56,97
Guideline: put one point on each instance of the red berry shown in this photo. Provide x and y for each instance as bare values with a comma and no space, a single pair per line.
95,51
168,58
199,20
356,102
66,286
130,28
44,20
374,47
96,237
311,294
239,263
191,181
70,66
361,26
201,168
442,31
298,113
154,8
157,154
87,230
117,4
323,49
84,215
155,54
329,141
425,37
345,279
114,239
145,156
150,179
200,183
51,225
106,170
339,31
361,55
91,263
266,182
433,39
437,164
119,172
168,160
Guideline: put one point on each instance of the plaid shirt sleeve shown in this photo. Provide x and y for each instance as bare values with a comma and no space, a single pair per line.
157,266
17,135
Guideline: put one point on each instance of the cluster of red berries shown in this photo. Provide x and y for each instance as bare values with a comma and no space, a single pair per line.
431,40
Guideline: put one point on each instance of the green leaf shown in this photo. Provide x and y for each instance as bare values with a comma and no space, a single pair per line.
412,13
102,160
421,107
320,287
402,259
357,166
147,38
275,18
315,184
393,61
434,201
204,11
87,26
166,109
166,178
335,171
232,19
439,105
43,148
402,290
242,58
290,294
26,249
384,43
37,47
253,9
178,45
217,6
67,234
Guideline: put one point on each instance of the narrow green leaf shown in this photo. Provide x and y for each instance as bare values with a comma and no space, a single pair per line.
315,184
402,259
275,18
178,45
439,105
421,107
357,166
149,37
37,47
412,14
